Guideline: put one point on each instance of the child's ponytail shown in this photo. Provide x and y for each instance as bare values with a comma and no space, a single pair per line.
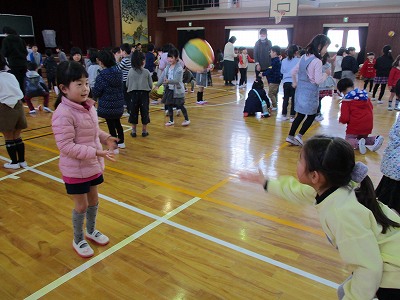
365,194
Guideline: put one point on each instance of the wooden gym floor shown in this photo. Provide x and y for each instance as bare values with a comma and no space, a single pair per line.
181,225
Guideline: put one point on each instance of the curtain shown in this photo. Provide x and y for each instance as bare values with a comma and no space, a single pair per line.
362,35
290,32
227,33
325,31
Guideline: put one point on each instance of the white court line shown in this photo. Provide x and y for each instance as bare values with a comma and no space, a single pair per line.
159,220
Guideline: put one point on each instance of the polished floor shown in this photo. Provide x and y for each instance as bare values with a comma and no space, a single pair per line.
181,224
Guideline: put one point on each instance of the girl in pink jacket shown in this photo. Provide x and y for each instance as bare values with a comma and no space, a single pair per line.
79,139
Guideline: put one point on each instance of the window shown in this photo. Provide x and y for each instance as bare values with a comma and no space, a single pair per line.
343,38
248,38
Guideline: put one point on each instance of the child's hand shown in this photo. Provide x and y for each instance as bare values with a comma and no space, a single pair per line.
328,71
255,177
112,142
107,154
294,84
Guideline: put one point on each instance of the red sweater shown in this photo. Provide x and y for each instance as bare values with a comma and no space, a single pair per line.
394,76
358,116
367,70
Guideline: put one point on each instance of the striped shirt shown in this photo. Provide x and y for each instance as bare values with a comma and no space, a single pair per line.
124,66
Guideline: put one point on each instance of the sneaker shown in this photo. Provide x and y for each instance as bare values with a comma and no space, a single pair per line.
23,164
133,134
11,166
373,99
178,112
274,108
284,118
46,109
126,114
292,141
186,123
122,146
145,133
378,143
97,237
192,91
83,249
319,118
299,139
115,151
169,123
33,112
39,108
200,102
397,108
390,108
361,146
379,102
291,119
154,102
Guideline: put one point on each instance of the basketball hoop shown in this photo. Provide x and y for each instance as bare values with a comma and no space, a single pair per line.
278,16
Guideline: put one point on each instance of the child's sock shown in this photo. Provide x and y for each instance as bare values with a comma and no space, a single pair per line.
12,150
20,146
77,223
91,214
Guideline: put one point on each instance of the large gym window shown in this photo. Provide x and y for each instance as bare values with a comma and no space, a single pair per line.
343,38
248,38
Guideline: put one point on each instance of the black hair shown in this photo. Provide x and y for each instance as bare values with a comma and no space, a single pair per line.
59,48
396,61
3,62
154,77
232,39
351,49
48,52
32,66
341,51
276,49
316,44
334,158
291,51
370,53
125,47
107,58
93,54
150,47
167,47
9,30
137,60
257,84
67,72
173,52
325,58
387,51
263,31
344,83
73,51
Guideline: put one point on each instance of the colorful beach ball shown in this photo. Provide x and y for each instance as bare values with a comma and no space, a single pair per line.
197,54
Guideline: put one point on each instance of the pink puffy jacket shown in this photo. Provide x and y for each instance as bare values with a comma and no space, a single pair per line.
78,137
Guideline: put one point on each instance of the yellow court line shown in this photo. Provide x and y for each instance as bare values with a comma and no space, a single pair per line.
205,193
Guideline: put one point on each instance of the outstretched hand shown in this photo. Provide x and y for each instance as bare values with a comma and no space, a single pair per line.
112,143
255,177
107,154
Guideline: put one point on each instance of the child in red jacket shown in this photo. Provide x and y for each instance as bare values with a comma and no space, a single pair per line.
394,77
356,112
368,72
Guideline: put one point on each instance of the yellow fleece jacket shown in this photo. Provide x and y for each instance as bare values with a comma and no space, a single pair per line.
373,257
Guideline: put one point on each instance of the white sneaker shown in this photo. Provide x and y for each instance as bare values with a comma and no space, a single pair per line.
361,146
186,123
169,123
379,102
373,99
292,141
126,114
284,118
274,108
23,164
11,166
299,139
390,108
97,237
33,112
115,151
378,143
83,249
319,118
46,109
291,119
200,102
397,108
121,146
178,112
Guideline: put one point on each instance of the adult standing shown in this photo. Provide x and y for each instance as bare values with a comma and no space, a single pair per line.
261,52
14,50
229,61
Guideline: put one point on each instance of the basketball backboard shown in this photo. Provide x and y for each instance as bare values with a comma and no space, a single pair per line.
288,6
